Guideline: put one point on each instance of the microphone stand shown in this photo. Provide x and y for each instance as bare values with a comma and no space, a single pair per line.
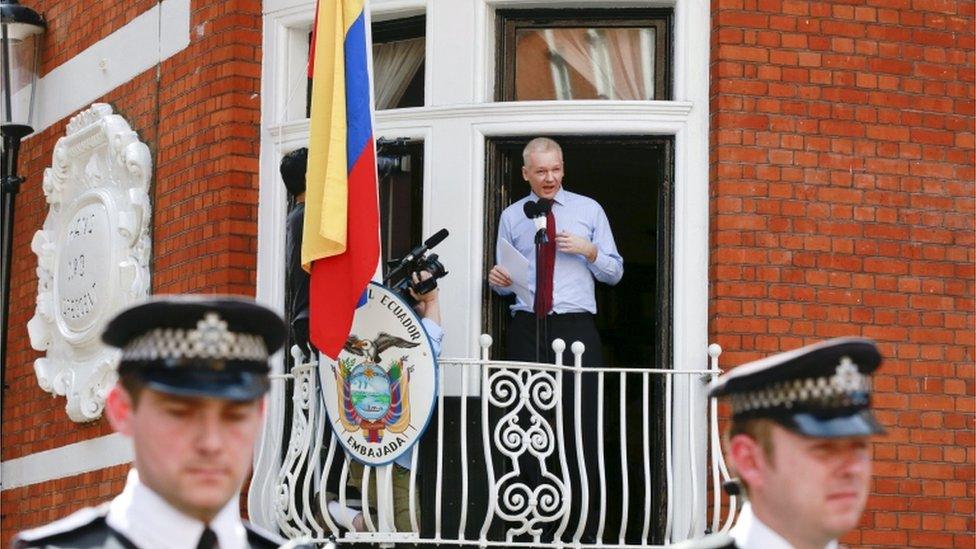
541,322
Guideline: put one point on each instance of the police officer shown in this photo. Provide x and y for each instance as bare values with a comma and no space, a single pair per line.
800,442
192,377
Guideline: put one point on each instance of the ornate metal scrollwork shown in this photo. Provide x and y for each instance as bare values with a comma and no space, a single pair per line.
525,432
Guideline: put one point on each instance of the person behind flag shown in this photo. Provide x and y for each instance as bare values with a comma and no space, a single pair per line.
293,167
800,442
192,378
580,251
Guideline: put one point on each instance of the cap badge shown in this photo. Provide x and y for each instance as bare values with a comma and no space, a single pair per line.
211,338
848,378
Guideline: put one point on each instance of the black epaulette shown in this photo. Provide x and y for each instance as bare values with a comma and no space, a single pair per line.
81,529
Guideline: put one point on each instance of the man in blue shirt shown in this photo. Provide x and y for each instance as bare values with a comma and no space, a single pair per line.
582,249
585,250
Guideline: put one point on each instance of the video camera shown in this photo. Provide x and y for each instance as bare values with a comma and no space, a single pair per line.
390,163
400,277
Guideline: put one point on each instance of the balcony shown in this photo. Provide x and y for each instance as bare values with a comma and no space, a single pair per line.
497,466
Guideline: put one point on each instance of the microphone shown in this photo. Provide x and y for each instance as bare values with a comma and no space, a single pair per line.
544,205
434,240
536,211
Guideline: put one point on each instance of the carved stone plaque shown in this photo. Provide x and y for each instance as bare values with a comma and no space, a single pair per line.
92,255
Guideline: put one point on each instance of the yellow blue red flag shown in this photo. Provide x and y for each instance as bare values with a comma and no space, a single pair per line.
340,244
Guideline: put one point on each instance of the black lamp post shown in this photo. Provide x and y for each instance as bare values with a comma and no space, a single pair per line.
20,37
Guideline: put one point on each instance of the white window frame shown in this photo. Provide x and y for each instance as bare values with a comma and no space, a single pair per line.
459,115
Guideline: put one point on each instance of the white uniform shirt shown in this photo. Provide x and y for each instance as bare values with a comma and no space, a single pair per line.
750,533
148,521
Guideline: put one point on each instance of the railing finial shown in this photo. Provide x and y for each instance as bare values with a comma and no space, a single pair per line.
485,342
578,348
297,355
558,345
714,350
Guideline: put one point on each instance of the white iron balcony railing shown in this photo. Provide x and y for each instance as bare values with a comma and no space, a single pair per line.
501,469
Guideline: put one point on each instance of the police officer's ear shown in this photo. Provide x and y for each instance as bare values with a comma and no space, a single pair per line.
119,406
748,459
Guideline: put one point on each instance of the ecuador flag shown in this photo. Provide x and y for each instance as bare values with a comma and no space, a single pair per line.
340,245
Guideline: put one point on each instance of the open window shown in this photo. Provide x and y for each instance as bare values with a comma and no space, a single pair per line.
631,177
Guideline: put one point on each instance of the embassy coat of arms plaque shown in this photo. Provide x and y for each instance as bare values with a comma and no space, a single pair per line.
380,393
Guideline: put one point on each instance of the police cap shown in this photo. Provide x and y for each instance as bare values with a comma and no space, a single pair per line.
198,345
821,390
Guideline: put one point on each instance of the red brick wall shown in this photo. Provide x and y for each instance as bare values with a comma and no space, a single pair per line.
206,187
200,119
73,25
842,204
28,506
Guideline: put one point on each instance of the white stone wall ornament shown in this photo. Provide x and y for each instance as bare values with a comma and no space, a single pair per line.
92,255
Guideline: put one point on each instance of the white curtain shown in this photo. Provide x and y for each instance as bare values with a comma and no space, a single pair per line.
627,64
394,66
614,62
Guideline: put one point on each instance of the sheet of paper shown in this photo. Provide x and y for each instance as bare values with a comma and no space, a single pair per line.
518,269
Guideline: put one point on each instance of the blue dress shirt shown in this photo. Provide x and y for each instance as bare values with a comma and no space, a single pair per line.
573,274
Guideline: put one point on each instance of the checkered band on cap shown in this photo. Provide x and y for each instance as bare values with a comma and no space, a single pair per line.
209,340
846,388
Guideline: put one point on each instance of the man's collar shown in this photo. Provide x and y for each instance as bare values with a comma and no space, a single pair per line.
146,519
749,532
560,197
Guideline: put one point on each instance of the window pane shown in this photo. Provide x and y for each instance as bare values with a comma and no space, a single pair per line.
399,47
584,63
397,66
401,188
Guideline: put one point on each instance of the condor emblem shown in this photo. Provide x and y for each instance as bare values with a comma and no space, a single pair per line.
380,393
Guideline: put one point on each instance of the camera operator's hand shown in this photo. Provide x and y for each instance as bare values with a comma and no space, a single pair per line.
428,304
498,276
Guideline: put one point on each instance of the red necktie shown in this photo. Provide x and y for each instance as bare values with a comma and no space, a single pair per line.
546,263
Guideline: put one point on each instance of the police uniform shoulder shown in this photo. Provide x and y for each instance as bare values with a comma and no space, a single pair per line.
85,525
720,540
260,538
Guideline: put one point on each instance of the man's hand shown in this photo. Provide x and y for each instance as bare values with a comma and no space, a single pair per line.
572,244
422,298
427,305
498,276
